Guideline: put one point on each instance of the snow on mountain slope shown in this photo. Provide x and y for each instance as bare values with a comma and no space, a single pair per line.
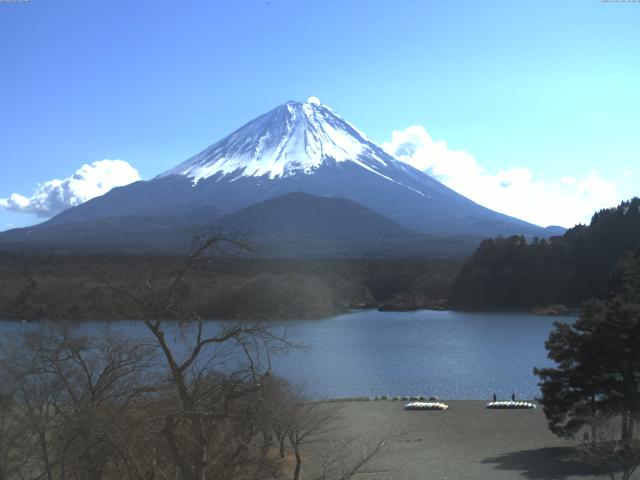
299,147
294,138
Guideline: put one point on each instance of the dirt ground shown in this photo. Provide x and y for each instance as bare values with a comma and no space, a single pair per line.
465,442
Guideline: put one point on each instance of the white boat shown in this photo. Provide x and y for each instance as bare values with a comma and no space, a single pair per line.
426,406
510,404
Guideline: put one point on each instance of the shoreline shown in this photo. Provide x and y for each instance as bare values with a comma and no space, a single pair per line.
399,399
310,317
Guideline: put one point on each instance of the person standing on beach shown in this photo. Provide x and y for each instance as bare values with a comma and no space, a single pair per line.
513,397
494,397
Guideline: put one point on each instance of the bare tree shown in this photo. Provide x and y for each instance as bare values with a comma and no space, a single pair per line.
72,393
208,424
278,400
307,423
14,450
343,459
310,429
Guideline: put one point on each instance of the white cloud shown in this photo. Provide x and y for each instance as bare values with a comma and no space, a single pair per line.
565,201
89,181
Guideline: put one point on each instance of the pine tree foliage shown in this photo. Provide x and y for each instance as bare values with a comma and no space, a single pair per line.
594,389
516,272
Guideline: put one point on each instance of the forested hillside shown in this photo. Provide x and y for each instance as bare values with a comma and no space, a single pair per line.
511,272
80,287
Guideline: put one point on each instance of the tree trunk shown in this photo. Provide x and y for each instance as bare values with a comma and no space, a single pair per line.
594,426
203,473
45,454
281,443
296,472
624,418
182,466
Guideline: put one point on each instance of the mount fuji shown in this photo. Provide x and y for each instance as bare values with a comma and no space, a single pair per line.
297,147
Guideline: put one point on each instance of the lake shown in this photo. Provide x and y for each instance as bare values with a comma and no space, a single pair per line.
451,355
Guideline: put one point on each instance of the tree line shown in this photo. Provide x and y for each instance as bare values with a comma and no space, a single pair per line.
72,286
515,273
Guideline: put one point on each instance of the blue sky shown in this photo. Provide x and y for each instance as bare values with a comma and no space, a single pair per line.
540,99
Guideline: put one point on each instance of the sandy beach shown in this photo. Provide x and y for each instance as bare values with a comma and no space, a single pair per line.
467,441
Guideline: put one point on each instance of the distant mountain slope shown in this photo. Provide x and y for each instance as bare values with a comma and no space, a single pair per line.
302,215
127,233
299,224
514,273
293,225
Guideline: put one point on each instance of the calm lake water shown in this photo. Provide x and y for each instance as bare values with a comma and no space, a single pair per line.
452,355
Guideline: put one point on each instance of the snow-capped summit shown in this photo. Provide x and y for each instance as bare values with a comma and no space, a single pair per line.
294,138
296,147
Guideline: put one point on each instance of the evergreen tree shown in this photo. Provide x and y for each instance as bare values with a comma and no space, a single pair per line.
597,377
516,273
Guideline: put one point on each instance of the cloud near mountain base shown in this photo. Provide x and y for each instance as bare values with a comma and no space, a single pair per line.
89,181
517,192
